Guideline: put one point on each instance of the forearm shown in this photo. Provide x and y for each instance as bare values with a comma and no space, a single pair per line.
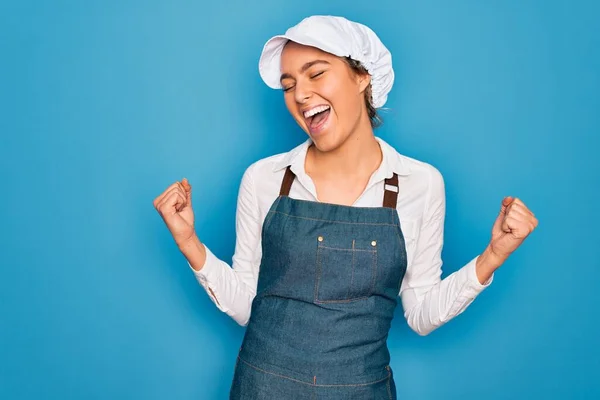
427,308
195,252
227,287
487,263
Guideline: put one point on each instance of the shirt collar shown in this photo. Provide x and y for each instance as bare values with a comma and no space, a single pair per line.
392,160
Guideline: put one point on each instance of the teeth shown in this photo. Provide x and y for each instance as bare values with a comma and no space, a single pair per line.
316,110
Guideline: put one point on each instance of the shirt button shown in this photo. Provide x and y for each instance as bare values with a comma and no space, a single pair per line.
373,243
320,238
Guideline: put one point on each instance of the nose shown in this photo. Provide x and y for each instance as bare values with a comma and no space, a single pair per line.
302,93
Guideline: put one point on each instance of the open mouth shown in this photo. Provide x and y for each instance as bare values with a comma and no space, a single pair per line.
316,116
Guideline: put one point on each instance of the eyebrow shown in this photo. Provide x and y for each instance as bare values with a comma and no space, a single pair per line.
304,68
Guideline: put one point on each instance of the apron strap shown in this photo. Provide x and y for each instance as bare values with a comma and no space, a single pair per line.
286,184
390,196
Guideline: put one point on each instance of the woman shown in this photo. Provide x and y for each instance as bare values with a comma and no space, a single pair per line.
331,232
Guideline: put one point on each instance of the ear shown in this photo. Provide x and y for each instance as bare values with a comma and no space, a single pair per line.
363,81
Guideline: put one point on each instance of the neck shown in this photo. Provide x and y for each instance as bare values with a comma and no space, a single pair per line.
359,155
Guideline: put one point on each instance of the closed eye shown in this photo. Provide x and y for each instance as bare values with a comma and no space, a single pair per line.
317,74
287,89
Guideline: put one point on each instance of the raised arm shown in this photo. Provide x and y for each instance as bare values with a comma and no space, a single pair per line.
429,301
232,289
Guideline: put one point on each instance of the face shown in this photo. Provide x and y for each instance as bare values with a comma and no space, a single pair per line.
323,94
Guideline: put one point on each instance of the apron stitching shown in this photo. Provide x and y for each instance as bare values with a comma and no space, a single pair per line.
374,273
318,280
339,222
355,384
342,301
271,212
314,379
273,373
352,276
320,269
403,241
343,249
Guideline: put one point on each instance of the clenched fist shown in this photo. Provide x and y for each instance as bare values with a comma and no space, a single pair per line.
514,223
175,207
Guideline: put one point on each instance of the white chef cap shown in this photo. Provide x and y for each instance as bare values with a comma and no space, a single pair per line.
340,37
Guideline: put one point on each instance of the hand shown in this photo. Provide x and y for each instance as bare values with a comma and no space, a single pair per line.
514,223
175,207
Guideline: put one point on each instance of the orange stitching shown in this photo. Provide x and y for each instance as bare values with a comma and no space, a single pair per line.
314,378
374,273
342,249
331,220
318,280
273,373
352,276
352,299
356,384
342,301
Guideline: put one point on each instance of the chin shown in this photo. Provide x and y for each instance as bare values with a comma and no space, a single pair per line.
326,141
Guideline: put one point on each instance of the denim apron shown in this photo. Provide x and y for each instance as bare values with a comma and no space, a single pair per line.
327,289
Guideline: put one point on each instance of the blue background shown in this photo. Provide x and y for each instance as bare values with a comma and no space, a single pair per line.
104,104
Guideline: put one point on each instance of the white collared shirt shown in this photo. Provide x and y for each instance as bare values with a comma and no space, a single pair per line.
427,300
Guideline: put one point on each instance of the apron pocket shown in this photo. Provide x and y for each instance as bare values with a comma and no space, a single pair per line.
345,273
